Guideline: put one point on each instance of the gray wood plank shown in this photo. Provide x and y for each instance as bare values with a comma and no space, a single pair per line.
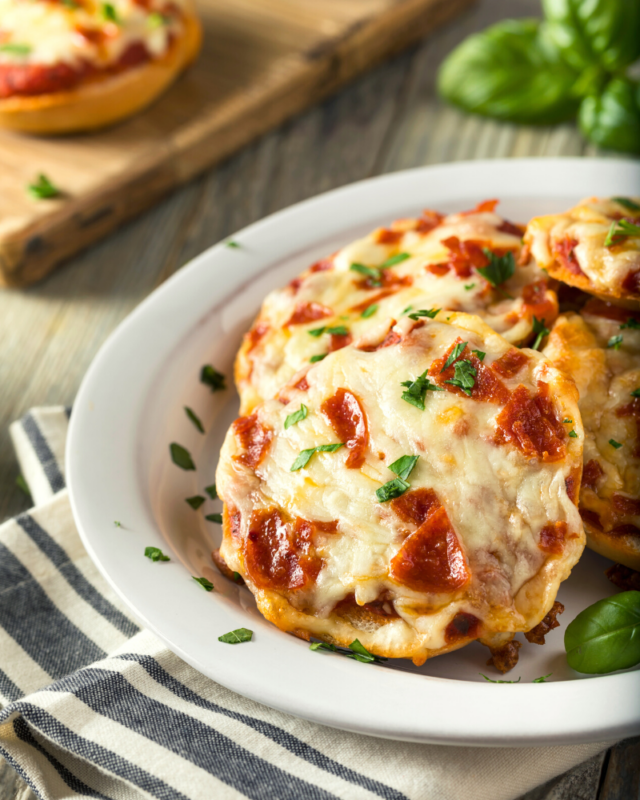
580,783
622,779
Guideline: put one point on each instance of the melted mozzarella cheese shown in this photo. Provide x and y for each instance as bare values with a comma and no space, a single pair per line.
587,226
265,363
497,499
46,33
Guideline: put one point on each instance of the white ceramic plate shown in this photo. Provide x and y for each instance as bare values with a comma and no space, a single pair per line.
130,407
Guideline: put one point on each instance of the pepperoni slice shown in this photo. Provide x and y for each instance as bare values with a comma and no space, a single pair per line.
485,205
322,266
387,279
339,340
431,559
364,305
510,363
429,221
552,538
416,505
385,236
631,282
592,473
438,269
572,484
538,303
531,425
465,255
626,506
513,229
347,418
309,312
256,334
487,388
393,337
462,626
270,558
254,438
564,250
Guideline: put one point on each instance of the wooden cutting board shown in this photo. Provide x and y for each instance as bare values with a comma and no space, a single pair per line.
262,61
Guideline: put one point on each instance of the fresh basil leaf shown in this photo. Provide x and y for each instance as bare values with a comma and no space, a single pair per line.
155,554
236,637
392,489
542,679
626,202
397,259
181,457
305,455
615,444
212,491
212,378
297,416
603,33
464,376
611,119
206,584
630,323
541,330
615,342
492,681
499,269
22,485
195,502
194,418
424,312
510,71
455,353
416,391
479,354
372,273
315,359
214,518
605,636
370,311
43,189
403,467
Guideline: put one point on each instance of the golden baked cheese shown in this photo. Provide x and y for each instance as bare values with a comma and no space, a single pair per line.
594,246
416,264
600,349
415,490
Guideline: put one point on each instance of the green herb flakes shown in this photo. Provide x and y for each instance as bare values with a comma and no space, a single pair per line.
194,418
370,311
469,286
573,434
336,330
305,456
492,681
212,378
43,188
315,359
630,323
155,554
455,353
372,273
464,376
181,457
416,391
615,444
22,485
424,312
232,244
398,259
540,330
403,467
499,269
212,491
109,13
297,416
391,490
15,48
214,518
615,342
357,651
542,679
620,230
236,637
195,502
479,354
206,584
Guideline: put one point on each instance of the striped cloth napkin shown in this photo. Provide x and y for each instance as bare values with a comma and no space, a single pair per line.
91,705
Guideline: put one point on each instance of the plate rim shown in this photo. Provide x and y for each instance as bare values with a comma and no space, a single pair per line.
612,687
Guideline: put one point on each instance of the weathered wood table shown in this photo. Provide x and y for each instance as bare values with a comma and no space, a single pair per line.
389,120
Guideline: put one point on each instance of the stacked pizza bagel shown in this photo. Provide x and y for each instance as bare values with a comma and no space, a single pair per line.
416,410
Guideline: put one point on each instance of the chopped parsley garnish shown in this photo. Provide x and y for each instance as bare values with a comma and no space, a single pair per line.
212,378
416,391
492,681
337,330
315,359
356,651
305,455
181,457
109,13
15,48
407,310
43,189
22,485
398,259
296,417
464,376
615,444
469,286
542,679
155,554
573,434
212,491
374,274
206,585
630,323
541,331
635,393
392,489
627,203
480,355
455,353
567,420
196,501
620,230
370,311
615,342
237,577
214,518
194,418
236,637
499,269
424,312
156,20
117,523
403,467
232,244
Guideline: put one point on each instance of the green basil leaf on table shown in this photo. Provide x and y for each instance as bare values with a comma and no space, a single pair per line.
510,71
605,33
605,636
612,119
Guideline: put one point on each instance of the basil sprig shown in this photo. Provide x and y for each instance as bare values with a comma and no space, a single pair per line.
305,455
574,62
416,391
605,637
403,467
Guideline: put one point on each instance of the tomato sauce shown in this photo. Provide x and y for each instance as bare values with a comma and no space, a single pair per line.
538,303
256,334
431,559
346,416
309,312
552,538
564,251
254,439
531,425
462,626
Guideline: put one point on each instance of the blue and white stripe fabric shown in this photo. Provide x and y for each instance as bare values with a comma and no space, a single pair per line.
92,706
